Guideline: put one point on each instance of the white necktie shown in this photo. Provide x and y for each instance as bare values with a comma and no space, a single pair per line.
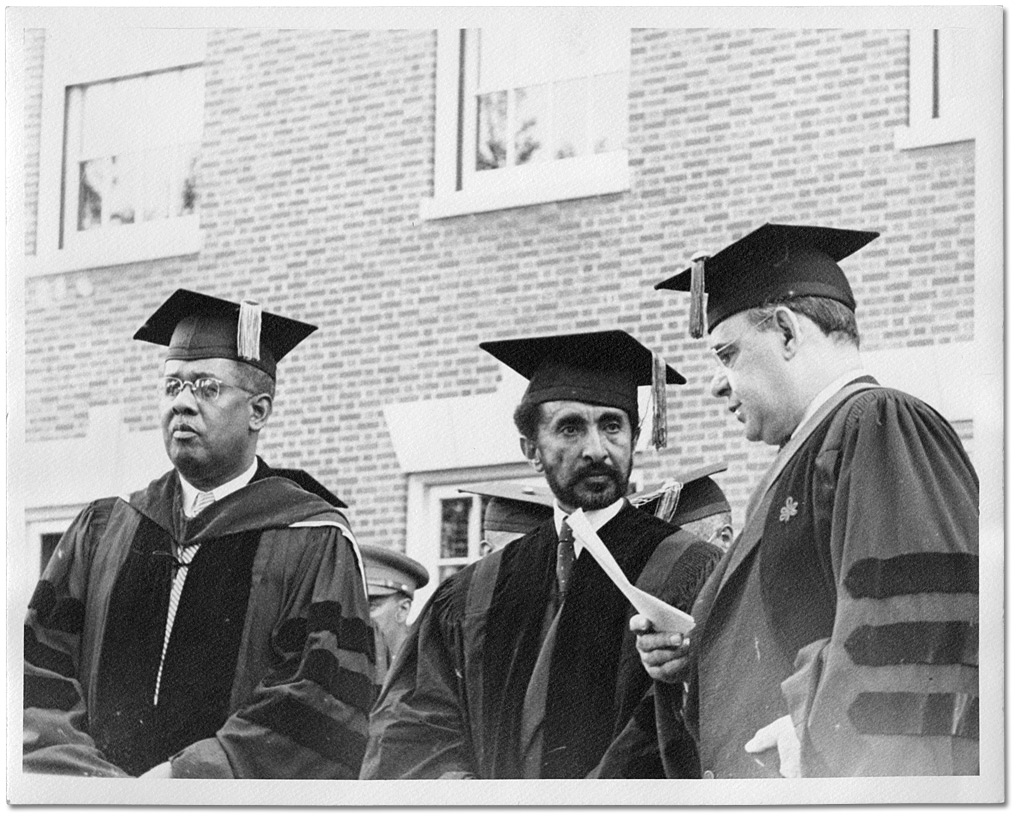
202,501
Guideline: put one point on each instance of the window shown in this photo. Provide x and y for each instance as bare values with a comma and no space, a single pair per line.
942,88
528,114
125,170
460,530
47,544
122,122
43,529
444,524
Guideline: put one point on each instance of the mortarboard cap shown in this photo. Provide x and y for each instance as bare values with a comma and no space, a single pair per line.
512,507
772,262
691,496
599,367
197,326
388,572
308,482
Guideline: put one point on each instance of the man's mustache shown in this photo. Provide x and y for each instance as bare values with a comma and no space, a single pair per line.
596,471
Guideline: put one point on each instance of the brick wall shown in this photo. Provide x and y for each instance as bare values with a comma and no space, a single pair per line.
318,149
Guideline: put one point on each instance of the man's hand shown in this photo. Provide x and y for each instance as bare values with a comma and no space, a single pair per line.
781,735
159,771
664,655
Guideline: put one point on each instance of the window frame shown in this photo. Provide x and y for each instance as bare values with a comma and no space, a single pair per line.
926,128
81,57
564,179
40,522
425,492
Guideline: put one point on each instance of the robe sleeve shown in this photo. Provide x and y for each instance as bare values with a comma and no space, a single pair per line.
308,715
55,721
893,690
419,726
656,741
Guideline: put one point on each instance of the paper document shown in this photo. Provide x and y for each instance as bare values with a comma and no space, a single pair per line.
666,618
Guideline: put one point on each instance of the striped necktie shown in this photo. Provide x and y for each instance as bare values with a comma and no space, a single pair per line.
564,559
202,501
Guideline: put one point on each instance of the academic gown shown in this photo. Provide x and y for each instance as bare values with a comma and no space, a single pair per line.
269,668
497,680
856,612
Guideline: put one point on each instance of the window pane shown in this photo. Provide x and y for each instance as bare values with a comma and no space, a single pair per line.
528,121
447,570
609,112
453,538
186,192
92,182
124,183
492,128
99,121
135,143
570,102
48,544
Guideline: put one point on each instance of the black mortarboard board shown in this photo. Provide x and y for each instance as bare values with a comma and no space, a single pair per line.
691,496
197,326
599,367
388,572
308,482
772,262
512,507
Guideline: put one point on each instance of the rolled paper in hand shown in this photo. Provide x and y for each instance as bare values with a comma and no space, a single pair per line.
664,617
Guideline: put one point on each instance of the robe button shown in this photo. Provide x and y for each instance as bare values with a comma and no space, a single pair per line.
708,774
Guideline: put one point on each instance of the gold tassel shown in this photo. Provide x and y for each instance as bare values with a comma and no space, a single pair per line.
249,330
659,430
697,317
668,501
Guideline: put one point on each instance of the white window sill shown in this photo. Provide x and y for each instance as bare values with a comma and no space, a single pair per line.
932,133
120,245
532,185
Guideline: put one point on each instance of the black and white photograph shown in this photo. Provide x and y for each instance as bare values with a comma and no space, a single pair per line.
549,406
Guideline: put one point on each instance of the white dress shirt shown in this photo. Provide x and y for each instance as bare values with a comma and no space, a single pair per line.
596,517
190,492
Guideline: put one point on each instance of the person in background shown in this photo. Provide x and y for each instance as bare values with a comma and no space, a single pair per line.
695,502
521,665
511,510
393,579
839,635
214,624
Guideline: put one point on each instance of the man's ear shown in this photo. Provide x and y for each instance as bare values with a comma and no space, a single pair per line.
790,327
261,409
531,453
403,610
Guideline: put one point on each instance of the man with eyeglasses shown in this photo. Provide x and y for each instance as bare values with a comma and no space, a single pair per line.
838,636
215,624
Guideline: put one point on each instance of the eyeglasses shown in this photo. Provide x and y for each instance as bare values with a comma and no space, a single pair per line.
724,353
206,388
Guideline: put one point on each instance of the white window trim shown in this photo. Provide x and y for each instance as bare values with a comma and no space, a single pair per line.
575,178
924,130
74,57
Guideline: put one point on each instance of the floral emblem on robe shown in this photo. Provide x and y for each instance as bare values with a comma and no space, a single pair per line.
788,510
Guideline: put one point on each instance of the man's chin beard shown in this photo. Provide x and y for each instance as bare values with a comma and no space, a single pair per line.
593,500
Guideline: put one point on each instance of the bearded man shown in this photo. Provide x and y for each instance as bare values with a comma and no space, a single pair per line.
520,666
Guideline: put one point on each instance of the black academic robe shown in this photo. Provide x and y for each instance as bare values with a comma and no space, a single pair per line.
494,682
269,668
855,612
